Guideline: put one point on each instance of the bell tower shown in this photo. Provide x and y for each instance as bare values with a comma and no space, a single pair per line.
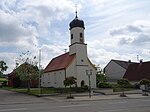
77,39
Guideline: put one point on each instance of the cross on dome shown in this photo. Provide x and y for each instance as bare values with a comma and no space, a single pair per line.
76,22
76,10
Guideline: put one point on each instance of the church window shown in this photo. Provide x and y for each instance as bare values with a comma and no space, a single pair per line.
81,37
55,78
71,36
82,60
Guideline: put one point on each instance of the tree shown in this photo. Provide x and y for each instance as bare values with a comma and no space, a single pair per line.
123,83
69,81
3,67
145,82
27,72
100,75
28,69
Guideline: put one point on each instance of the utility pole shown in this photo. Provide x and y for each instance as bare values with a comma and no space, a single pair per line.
39,85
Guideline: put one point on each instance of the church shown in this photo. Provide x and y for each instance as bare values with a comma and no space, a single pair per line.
73,63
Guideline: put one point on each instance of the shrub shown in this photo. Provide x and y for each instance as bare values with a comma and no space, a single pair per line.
136,86
104,85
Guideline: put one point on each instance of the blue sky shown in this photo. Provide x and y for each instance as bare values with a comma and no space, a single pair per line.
115,29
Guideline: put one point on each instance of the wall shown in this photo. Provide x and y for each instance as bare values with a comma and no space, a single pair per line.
53,79
114,72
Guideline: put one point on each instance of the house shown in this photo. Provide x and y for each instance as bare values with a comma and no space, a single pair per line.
134,72
15,81
116,69
73,63
138,71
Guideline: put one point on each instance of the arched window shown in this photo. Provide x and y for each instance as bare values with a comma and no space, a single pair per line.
71,36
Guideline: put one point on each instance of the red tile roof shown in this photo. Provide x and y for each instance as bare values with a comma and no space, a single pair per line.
138,71
59,62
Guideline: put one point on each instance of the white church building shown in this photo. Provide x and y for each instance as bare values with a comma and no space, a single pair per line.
73,63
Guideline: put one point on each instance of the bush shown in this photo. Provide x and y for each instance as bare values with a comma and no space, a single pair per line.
73,89
104,85
136,86
80,89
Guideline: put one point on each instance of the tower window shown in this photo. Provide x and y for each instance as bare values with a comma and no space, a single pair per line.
81,35
71,36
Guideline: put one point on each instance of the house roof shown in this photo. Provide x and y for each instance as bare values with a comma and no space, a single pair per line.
59,62
138,71
123,64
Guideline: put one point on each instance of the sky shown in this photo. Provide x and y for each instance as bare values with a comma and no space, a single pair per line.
114,29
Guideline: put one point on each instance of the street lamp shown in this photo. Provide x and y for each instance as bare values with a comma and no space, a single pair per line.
89,73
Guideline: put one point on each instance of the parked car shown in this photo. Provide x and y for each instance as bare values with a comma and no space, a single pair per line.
142,87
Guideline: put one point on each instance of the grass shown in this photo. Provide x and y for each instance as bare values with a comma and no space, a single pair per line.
3,79
33,91
47,91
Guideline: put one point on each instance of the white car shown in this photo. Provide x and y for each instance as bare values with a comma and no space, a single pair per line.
142,87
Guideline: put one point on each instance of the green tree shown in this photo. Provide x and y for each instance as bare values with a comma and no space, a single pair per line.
69,81
28,69
145,82
27,72
3,67
123,83
100,76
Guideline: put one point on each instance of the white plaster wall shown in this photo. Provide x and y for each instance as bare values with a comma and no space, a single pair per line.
53,79
81,54
114,71
44,80
81,75
71,70
76,34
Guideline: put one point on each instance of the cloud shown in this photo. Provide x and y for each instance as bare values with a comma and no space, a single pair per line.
127,30
117,29
133,34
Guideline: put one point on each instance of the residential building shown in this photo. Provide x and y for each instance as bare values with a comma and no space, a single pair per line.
116,69
138,71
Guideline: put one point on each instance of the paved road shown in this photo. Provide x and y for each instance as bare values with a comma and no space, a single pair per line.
26,103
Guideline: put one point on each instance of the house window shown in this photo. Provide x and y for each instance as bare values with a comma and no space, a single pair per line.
71,36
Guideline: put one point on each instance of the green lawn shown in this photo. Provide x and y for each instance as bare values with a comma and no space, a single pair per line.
33,91
3,79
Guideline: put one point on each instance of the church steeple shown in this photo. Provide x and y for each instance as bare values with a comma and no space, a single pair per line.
76,22
76,34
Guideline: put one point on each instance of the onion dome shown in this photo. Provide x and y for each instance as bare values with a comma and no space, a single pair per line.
76,23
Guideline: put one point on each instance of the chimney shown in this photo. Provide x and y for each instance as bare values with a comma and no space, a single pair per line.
129,61
141,61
